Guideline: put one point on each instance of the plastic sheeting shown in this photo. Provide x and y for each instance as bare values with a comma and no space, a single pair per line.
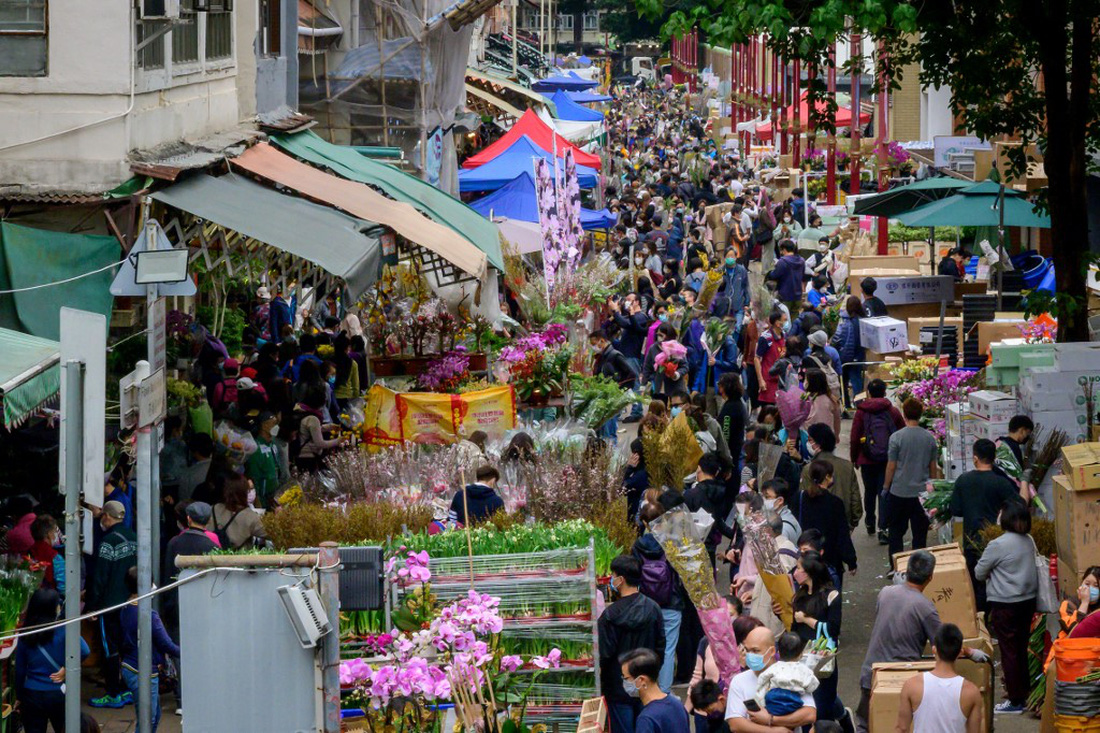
573,112
575,132
541,134
30,374
32,257
517,159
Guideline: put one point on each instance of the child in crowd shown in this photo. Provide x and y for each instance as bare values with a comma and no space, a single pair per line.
781,686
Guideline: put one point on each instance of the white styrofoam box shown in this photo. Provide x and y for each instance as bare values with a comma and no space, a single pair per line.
960,447
1050,389
959,419
992,429
990,405
1073,422
1082,356
954,467
885,335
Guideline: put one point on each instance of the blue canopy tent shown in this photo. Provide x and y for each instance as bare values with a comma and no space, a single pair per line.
583,97
584,60
567,83
517,200
516,159
573,112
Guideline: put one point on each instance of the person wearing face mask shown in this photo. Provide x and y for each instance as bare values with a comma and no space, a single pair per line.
660,712
743,715
788,276
821,441
820,262
733,292
787,228
821,510
1083,621
1010,453
777,494
235,522
632,621
268,468
817,608
709,494
115,555
771,346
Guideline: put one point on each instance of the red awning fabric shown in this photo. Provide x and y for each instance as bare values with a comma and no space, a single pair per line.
541,134
843,118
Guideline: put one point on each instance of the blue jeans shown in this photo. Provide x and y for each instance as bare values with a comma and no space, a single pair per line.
672,636
610,430
131,679
621,714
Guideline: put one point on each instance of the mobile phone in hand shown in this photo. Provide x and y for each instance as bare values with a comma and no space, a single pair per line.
751,706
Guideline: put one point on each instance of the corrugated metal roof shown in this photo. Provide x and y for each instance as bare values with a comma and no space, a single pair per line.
284,119
17,193
166,162
399,58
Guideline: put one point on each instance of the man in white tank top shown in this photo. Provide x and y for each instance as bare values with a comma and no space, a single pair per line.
941,701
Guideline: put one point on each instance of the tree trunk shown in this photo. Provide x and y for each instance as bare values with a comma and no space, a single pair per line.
1067,102
578,32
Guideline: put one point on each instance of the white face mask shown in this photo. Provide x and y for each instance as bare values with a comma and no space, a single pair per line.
274,431
822,248
639,261
251,497
769,504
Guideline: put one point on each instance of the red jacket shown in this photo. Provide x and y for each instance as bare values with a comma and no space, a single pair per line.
865,407
1089,627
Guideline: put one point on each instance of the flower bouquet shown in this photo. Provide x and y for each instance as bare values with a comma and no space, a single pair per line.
681,534
936,500
938,392
446,374
597,399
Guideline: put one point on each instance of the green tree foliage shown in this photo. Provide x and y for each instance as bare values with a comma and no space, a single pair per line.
1025,70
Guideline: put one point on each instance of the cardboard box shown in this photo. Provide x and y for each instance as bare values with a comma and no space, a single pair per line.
950,588
1073,423
914,325
1081,465
885,335
959,419
991,429
1053,388
1068,580
1077,521
888,262
1012,353
1077,356
855,277
887,679
993,406
960,447
992,331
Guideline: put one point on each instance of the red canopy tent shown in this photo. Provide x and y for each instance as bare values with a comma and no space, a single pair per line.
843,118
541,134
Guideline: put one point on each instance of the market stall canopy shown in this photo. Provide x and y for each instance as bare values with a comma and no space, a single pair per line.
541,134
843,117
494,82
584,60
977,206
491,100
574,132
447,210
525,236
517,159
517,200
583,97
566,82
364,202
340,244
573,112
906,198
30,374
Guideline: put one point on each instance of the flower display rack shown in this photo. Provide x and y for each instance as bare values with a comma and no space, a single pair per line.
547,599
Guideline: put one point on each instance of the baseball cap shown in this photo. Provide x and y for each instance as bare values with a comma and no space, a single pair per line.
115,510
198,511
244,383
263,293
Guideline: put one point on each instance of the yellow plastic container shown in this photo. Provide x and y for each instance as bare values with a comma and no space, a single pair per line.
1076,724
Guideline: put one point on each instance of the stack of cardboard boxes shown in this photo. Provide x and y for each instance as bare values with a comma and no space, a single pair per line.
953,593
985,414
1058,396
1077,514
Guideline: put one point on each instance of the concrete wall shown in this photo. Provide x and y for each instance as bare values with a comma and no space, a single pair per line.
936,115
82,108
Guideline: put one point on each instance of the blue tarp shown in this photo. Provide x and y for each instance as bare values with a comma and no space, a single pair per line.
517,200
573,112
569,83
583,97
517,159
584,60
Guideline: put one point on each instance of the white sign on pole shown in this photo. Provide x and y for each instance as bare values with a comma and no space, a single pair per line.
158,335
910,290
152,399
84,339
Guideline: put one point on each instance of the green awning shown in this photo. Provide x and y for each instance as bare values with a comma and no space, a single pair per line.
30,374
977,206
906,198
346,162
342,245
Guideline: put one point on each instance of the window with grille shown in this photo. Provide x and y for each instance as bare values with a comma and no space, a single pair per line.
219,35
152,55
185,39
23,36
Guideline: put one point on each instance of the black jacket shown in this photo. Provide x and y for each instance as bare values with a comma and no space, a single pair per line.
948,267
634,622
611,363
481,500
634,327
713,497
825,512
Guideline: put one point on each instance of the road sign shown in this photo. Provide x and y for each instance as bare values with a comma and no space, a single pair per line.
152,399
84,339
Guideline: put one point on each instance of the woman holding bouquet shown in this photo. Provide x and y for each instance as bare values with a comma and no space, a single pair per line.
817,610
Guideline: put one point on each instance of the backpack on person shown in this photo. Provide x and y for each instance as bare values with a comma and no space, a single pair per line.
831,377
877,429
225,394
222,533
657,581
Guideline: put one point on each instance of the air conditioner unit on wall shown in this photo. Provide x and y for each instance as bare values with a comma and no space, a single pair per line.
159,9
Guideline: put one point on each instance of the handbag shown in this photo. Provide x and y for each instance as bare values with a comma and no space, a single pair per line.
820,655
1046,600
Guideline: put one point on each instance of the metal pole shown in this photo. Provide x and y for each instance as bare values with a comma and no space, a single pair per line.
830,163
72,428
796,141
855,71
515,41
328,587
1000,242
882,112
143,523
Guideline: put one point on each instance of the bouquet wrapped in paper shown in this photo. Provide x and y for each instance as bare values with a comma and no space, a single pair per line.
758,536
681,534
793,406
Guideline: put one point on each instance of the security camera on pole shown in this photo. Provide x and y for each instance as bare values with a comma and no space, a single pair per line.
153,269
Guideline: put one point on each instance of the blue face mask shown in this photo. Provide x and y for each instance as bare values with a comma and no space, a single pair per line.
662,317
755,661
332,380
676,410
1094,594
630,688
787,326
